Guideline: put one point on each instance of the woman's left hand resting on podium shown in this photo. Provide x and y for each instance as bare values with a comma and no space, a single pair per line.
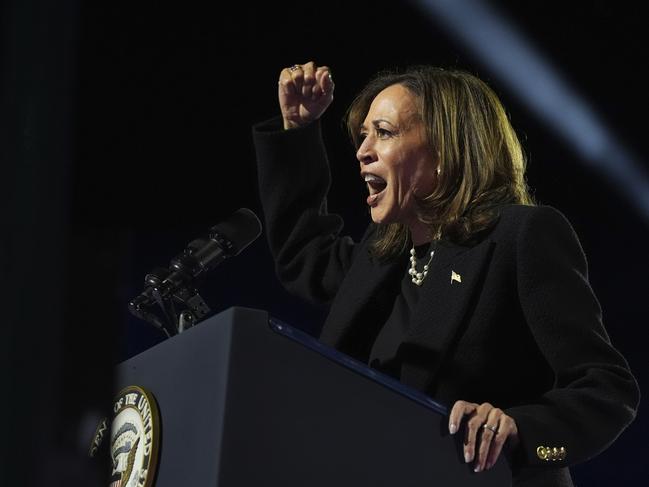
494,426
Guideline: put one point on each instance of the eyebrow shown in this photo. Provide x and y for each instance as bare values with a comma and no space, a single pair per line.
376,122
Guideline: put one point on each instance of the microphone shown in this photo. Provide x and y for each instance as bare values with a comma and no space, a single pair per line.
226,239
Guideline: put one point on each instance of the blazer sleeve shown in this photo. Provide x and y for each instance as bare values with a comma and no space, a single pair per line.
311,258
595,396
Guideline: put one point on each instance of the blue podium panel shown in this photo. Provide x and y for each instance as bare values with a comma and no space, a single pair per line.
245,401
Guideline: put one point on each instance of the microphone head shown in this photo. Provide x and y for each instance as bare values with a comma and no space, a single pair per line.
240,230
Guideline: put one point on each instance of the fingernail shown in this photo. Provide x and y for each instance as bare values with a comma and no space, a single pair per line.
477,469
467,457
452,428
487,466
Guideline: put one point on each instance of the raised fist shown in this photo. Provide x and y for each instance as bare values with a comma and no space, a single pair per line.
305,91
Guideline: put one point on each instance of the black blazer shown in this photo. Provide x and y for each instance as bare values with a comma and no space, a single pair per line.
511,320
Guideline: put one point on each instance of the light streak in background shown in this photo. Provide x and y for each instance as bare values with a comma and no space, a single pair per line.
540,87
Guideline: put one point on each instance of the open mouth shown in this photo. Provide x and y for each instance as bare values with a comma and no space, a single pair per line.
376,186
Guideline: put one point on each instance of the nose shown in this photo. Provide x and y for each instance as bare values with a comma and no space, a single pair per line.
366,153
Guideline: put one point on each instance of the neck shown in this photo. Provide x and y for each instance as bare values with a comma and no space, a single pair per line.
420,234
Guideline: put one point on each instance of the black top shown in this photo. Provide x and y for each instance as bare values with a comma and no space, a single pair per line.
385,355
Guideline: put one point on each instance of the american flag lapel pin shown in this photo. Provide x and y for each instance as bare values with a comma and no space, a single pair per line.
455,277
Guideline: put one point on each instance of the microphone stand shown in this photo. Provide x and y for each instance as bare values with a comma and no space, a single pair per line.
171,305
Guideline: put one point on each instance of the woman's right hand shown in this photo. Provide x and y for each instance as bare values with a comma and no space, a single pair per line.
305,91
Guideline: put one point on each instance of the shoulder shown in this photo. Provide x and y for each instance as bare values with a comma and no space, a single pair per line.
523,213
516,221
541,233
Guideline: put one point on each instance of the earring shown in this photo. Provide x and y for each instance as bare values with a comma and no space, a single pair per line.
438,170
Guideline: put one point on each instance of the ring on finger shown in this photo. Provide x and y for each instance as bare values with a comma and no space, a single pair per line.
295,67
493,429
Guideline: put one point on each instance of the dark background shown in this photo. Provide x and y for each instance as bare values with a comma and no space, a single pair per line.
126,134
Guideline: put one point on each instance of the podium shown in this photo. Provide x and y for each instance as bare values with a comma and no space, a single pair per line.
246,401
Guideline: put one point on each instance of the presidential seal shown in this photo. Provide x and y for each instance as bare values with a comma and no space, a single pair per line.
134,438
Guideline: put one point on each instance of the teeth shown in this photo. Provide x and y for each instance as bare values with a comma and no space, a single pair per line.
372,178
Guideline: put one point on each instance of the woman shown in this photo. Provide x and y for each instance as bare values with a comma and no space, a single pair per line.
461,286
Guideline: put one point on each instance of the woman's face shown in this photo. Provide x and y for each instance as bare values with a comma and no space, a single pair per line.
395,159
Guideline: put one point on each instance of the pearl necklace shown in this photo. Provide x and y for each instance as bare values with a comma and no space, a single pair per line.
418,277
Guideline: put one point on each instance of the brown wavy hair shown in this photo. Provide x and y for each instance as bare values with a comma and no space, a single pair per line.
481,161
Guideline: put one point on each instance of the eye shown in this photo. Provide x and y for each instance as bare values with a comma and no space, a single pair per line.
383,133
